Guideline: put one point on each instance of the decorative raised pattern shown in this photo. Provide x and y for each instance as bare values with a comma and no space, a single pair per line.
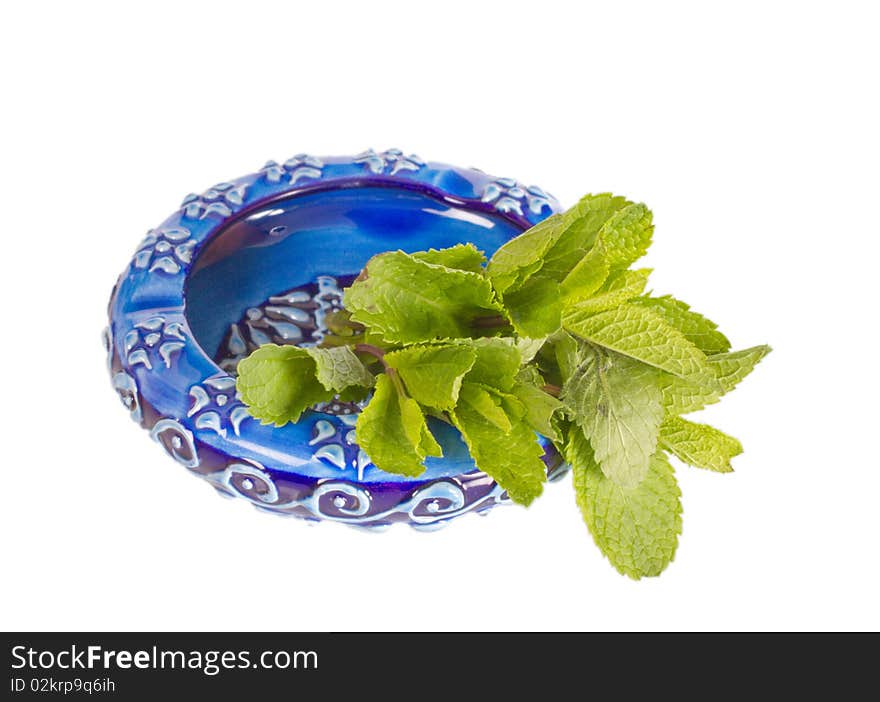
390,162
167,250
153,340
296,317
299,167
177,441
507,195
126,386
216,407
221,200
429,506
333,439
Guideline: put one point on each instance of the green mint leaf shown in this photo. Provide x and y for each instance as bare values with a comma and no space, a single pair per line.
584,228
540,407
511,456
616,402
730,368
642,334
535,309
566,352
587,276
622,287
626,235
701,332
406,300
278,383
339,323
699,445
522,256
682,396
412,414
339,368
623,238
497,363
488,404
433,373
636,528
529,348
428,444
463,257
393,432
555,245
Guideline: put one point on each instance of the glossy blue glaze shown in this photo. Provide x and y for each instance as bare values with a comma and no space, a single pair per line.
199,279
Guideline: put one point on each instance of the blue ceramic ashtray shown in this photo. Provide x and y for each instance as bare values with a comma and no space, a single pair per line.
263,259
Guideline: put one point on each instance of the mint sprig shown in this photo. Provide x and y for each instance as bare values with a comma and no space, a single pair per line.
554,335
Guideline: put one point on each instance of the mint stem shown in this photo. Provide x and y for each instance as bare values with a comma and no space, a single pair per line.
374,351
490,322
378,353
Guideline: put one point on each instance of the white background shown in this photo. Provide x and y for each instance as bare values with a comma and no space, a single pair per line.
751,131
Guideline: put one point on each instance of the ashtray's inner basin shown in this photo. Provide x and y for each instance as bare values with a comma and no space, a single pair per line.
271,275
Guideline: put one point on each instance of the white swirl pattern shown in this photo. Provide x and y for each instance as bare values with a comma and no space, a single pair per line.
177,440
430,506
